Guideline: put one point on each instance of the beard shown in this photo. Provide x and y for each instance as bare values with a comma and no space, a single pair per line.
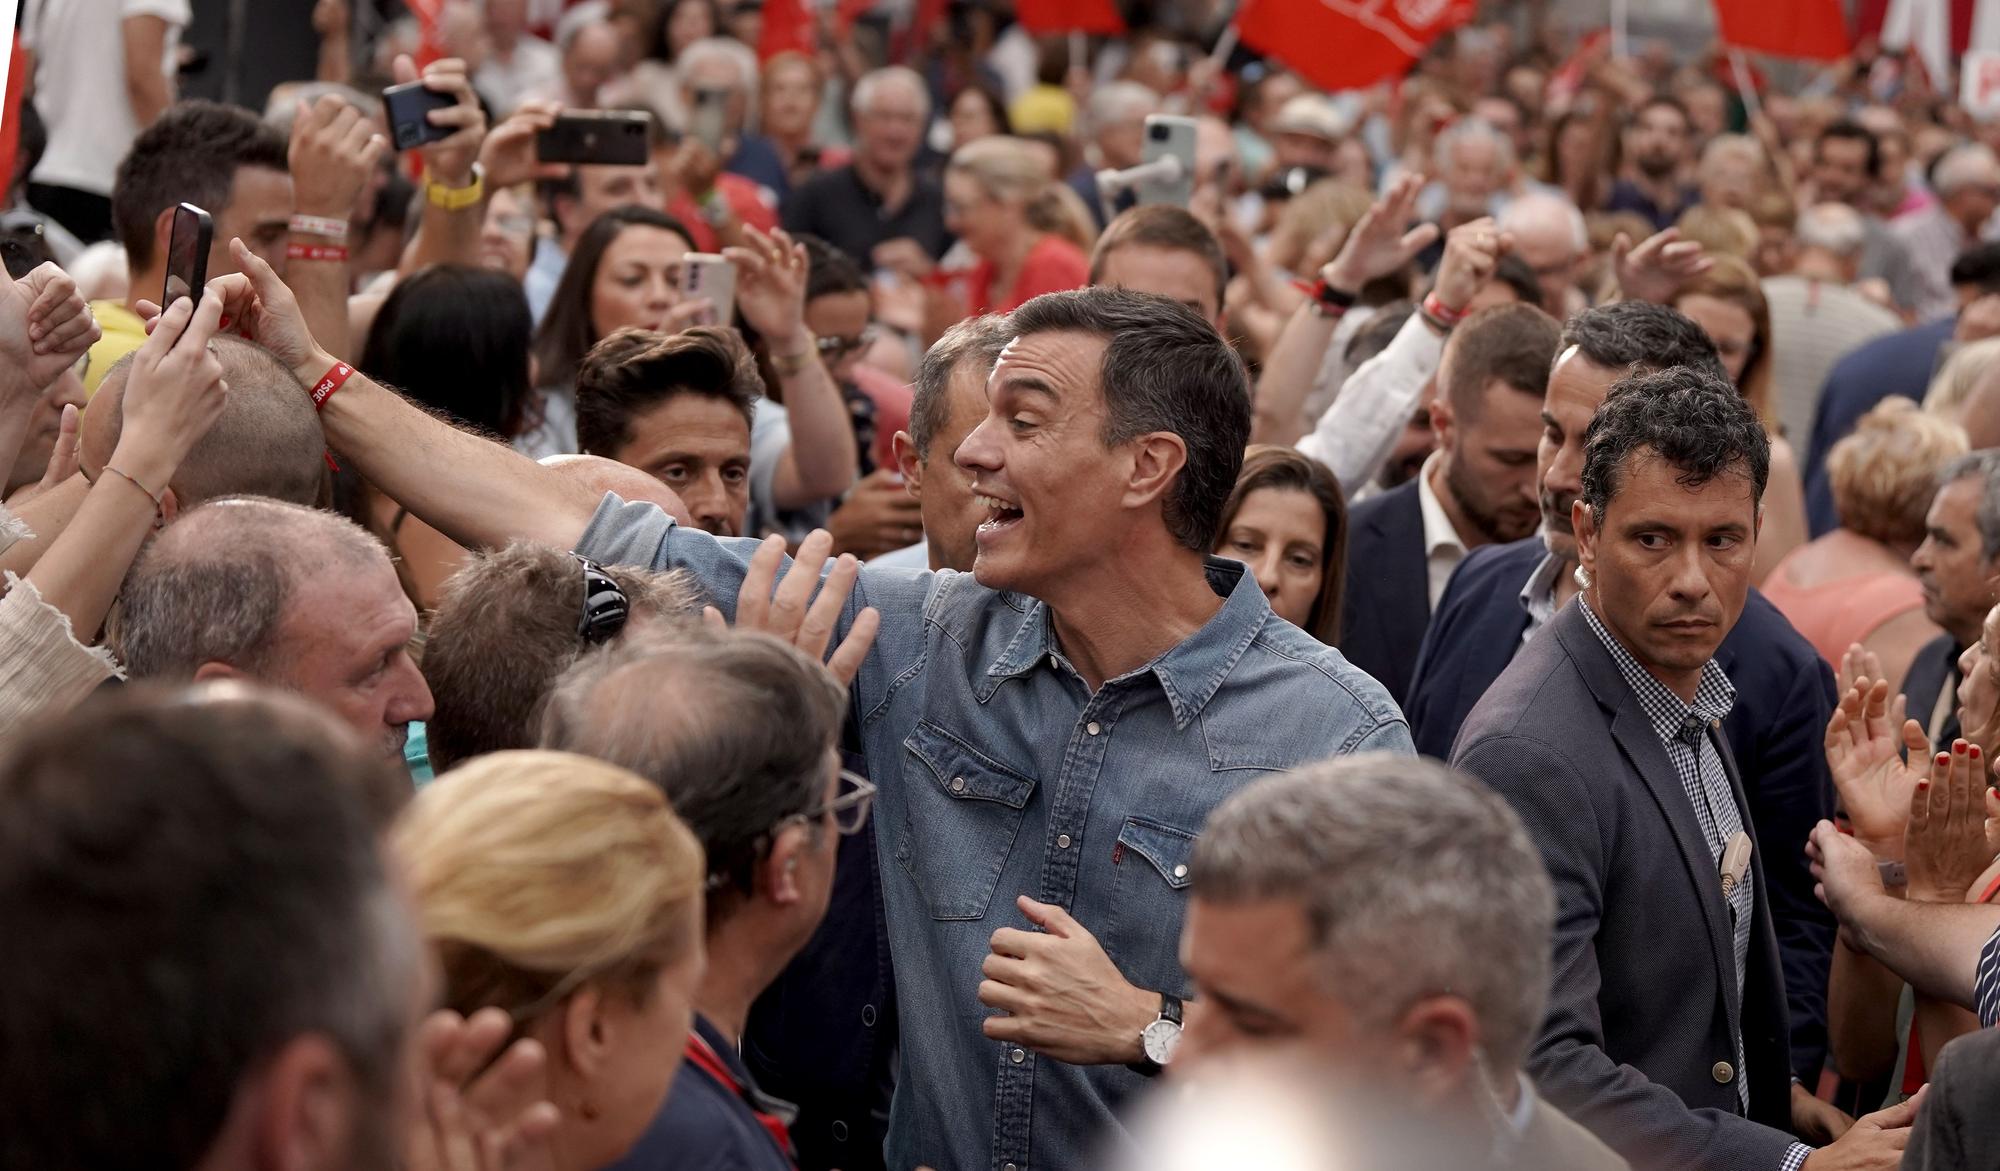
1497,525
1658,167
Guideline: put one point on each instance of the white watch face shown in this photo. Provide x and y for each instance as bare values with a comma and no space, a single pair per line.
1159,1040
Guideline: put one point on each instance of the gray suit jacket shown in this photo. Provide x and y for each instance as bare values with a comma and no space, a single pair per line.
1957,1127
1638,1045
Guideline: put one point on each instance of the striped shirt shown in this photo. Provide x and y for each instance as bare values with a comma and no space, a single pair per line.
1986,985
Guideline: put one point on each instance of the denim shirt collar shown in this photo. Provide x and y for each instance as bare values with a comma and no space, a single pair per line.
1190,673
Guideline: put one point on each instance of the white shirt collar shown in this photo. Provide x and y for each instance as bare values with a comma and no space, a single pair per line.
1439,533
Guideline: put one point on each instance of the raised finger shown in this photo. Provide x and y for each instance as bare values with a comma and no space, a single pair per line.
753,598
1004,969
206,320
789,602
823,615
169,327
853,650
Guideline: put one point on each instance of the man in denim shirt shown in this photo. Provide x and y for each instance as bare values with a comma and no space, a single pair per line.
1048,733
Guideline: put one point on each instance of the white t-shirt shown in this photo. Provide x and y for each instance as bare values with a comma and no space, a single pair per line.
80,83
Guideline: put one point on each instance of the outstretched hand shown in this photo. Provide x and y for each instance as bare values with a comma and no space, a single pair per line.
259,306
1656,269
1379,243
790,610
1945,846
771,285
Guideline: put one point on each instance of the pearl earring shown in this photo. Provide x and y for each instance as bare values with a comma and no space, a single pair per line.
1582,577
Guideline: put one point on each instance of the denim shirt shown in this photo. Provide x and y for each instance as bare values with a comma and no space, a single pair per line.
1001,774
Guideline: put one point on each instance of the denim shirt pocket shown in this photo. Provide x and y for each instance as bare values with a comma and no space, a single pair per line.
1152,862
965,809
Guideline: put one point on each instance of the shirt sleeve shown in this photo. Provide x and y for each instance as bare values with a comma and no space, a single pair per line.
1986,983
1795,1157
43,665
174,12
1356,434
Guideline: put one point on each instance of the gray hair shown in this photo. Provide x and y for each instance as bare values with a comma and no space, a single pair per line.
1118,103
1833,227
1985,465
1416,881
1472,130
699,713
215,586
976,339
1536,208
1963,166
1742,146
873,80
726,50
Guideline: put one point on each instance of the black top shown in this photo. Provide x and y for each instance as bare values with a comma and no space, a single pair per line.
839,208
706,1124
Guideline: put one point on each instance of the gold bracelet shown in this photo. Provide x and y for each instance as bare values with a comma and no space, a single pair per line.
151,495
789,364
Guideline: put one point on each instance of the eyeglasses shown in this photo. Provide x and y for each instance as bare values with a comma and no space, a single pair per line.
833,349
605,607
849,807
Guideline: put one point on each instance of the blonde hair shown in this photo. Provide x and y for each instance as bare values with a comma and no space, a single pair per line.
1723,230
1060,211
1885,471
1955,380
537,873
1321,208
1007,169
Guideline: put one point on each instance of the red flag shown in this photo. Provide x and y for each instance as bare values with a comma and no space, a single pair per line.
429,46
1347,44
10,115
788,28
847,12
1068,16
1812,29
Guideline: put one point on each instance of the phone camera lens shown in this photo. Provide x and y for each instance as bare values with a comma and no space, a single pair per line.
1160,132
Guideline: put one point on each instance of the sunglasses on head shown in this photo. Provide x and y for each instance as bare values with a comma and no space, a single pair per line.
605,607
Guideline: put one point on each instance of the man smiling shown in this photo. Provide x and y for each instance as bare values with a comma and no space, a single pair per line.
1048,733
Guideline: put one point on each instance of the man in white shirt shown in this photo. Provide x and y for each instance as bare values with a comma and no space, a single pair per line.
1477,488
104,71
519,62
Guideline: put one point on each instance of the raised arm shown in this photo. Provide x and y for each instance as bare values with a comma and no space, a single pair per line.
771,294
454,194
1377,246
333,152
475,491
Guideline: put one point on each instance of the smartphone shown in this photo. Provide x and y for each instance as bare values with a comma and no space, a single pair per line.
708,277
408,108
1169,136
615,138
709,120
187,254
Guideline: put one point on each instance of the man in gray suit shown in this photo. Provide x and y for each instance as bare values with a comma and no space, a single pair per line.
1666,1030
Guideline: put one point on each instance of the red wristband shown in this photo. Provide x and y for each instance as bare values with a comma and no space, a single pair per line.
329,382
316,252
1444,314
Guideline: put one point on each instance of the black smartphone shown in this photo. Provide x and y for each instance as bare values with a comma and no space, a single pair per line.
614,138
408,108
187,254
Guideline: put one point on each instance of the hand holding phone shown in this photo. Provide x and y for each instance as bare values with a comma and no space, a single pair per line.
187,254
1169,136
613,138
408,108
710,119
711,278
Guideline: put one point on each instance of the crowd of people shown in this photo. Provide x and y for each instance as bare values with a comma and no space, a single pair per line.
1471,640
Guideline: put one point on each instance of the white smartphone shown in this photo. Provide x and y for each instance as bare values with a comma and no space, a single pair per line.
708,277
1169,136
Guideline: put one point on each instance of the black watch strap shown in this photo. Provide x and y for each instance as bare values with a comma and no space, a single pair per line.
1170,1008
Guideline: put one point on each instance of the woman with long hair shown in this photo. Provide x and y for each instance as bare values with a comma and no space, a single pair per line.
624,271
1728,303
1286,520
996,190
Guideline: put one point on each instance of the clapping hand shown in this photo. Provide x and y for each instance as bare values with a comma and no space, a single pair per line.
792,613
1865,756
1945,846
45,326
333,153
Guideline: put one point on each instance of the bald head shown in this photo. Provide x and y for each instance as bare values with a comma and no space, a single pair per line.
1550,236
267,442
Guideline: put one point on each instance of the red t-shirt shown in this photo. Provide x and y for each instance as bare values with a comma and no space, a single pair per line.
744,197
1053,265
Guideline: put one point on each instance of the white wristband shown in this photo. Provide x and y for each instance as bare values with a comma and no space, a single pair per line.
315,225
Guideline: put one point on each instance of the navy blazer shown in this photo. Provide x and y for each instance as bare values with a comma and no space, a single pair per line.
1784,696
1387,601
1639,1043
1895,363
1933,669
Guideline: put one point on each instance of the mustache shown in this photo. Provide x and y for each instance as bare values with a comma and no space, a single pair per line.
1556,509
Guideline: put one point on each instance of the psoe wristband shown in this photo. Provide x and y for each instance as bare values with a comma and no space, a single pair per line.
319,225
333,252
329,382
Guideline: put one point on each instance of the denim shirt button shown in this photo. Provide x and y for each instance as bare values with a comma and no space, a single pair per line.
1062,841
1018,1056
958,784
1008,1167
868,1016
839,1129
1180,871
1092,728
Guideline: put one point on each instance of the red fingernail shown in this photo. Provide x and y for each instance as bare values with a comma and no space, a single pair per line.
1975,752
224,323
1944,758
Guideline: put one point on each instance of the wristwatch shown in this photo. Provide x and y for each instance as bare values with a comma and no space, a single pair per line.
1158,1040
